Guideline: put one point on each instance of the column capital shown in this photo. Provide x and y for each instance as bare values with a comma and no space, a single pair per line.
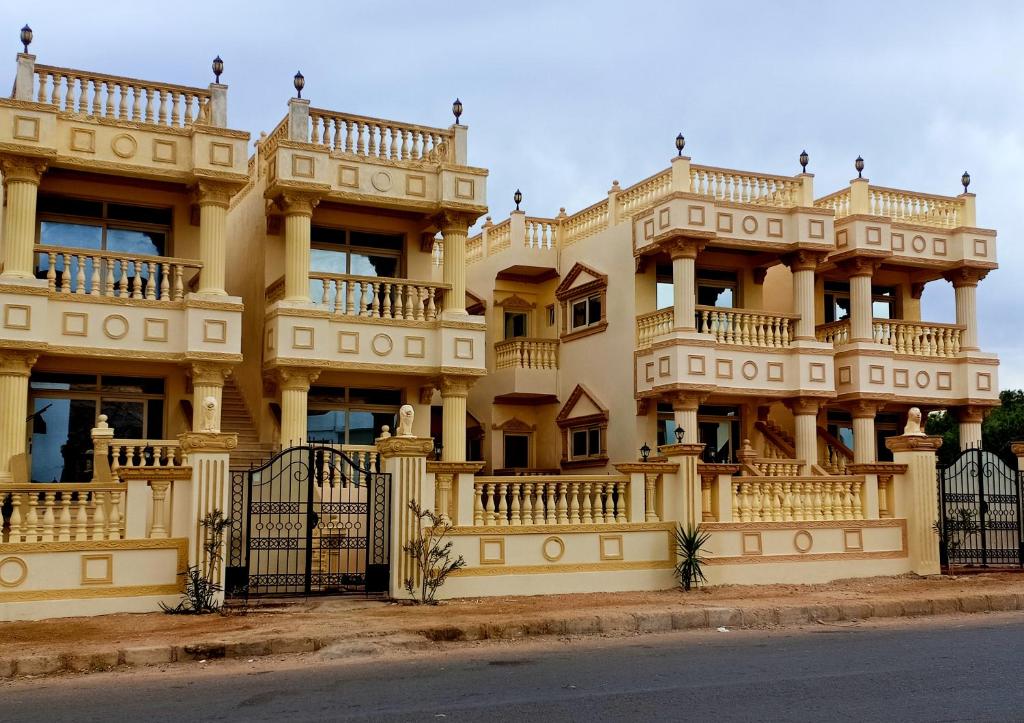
22,168
213,193
17,363
864,408
683,247
297,203
965,276
297,378
859,266
803,260
405,447
804,405
209,372
454,221
971,414
685,401
454,386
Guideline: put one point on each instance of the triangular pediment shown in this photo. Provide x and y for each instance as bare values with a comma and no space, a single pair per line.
514,302
580,277
581,403
514,425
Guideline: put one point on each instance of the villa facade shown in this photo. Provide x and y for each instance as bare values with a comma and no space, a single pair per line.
706,346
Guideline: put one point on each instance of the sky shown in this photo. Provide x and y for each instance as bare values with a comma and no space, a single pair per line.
561,98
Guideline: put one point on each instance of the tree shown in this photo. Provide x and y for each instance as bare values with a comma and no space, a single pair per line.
1003,425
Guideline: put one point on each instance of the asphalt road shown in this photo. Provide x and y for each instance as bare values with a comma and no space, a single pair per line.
960,668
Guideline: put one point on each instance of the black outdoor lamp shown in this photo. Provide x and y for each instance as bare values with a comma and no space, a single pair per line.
518,198
218,68
645,452
679,435
859,165
965,180
438,448
299,82
803,161
457,110
26,37
680,144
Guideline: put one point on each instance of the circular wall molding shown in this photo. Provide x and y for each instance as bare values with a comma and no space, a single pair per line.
749,224
381,180
922,379
918,244
124,145
546,549
802,541
115,326
749,369
382,345
13,571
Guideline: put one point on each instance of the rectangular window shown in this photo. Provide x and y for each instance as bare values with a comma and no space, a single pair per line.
837,302
517,451
586,312
718,428
551,314
515,324
717,288
355,253
65,408
585,442
350,416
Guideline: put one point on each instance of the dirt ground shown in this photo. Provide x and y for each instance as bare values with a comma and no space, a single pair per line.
358,617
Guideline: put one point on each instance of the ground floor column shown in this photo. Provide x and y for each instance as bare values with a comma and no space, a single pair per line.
207,392
295,384
805,415
15,367
864,445
454,391
970,419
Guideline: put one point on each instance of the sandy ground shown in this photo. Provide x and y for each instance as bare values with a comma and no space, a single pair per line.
358,617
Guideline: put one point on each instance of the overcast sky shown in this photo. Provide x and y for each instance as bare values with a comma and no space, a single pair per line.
562,98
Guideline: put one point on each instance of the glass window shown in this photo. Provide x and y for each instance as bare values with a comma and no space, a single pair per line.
517,451
837,302
586,312
350,416
718,428
716,288
585,442
515,324
356,253
551,314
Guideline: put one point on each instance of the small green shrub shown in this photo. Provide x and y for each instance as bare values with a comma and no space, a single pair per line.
690,542
201,586
431,554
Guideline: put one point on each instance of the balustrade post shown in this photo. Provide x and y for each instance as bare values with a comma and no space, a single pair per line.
25,76
681,174
405,459
101,434
914,498
217,115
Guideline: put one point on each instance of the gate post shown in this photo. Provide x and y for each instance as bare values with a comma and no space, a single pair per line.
683,501
915,498
405,459
1018,451
209,489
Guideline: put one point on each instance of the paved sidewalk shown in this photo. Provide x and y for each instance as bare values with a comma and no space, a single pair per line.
360,626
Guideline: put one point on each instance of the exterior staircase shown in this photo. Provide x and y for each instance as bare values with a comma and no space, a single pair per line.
235,417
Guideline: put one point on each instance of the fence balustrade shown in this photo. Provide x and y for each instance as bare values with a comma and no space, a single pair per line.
773,499
62,513
563,500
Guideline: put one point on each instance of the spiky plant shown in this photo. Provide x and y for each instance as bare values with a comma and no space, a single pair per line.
690,542
201,586
431,554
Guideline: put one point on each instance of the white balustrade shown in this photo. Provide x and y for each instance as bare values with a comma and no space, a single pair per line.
771,466
63,513
653,325
832,459
83,272
797,500
379,297
560,500
746,327
117,98
741,187
918,338
499,236
541,233
380,139
474,249
641,195
915,208
586,223
838,202
526,354
136,453
836,333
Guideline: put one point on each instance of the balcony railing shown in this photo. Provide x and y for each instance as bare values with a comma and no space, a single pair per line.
83,272
744,327
760,189
915,338
118,98
561,500
922,209
371,297
379,139
526,354
641,195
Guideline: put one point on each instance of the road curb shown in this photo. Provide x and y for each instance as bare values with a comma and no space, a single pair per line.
612,623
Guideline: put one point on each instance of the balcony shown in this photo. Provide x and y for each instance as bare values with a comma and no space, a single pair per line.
105,304
911,361
112,124
525,370
528,247
372,324
372,162
743,351
913,229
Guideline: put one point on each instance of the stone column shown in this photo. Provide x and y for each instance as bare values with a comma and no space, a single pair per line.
405,459
803,265
965,289
15,367
684,283
295,384
454,228
970,419
454,391
207,382
861,317
684,411
915,498
805,416
21,186
298,217
213,201
864,445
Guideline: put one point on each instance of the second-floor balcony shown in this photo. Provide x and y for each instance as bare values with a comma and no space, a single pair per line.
747,351
525,368
370,323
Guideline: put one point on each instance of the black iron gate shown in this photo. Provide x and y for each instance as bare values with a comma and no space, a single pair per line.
310,521
980,510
